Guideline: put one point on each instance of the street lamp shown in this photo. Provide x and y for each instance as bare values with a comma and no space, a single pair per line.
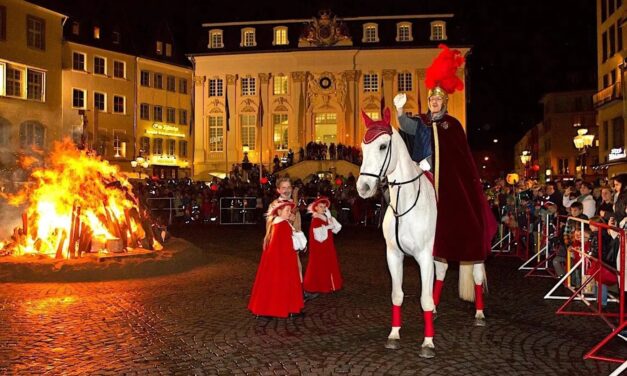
582,142
142,163
525,158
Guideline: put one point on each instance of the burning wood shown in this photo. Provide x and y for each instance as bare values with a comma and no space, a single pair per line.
77,204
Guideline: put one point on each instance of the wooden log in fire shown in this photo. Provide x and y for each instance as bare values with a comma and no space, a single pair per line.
59,254
72,235
85,239
25,223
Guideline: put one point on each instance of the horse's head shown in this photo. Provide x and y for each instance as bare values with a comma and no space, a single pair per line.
377,154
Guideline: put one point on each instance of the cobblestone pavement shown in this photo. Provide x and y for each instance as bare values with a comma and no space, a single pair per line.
197,323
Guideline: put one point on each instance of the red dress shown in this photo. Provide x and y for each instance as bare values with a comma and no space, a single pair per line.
323,270
277,290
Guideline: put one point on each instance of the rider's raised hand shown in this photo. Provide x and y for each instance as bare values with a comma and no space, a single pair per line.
400,100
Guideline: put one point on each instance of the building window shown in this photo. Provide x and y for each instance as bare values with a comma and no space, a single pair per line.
14,82
404,82
159,47
280,85
619,36
604,135
215,39
375,115
157,146
5,133
144,145
32,134
248,37
371,82
119,69
618,131
248,86
144,111
3,23
371,33
183,149
76,28
438,30
78,98
171,83
604,46
216,87
35,85
171,147
119,105
78,61
280,125
182,86
100,101
115,37
216,133
182,117
96,32
100,65
280,36
35,33
248,124
168,49
170,115
145,78
403,32
158,82
157,113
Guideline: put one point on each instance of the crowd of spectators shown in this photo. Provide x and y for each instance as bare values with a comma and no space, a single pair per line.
317,151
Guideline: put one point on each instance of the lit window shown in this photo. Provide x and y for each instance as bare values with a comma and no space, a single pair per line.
371,33
281,127
96,32
168,49
170,115
100,65
404,82
100,101
157,146
248,125
280,85
248,37
280,36
78,61
171,145
216,87
14,83
403,32
144,111
248,86
35,32
76,28
159,47
78,98
216,133
119,69
119,105
215,39
376,115
438,30
35,85
371,82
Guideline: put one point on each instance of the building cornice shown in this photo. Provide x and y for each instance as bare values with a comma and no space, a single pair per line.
302,20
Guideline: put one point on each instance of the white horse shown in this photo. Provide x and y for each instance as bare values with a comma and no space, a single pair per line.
410,219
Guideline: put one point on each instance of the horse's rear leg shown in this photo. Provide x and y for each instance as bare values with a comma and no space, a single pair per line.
425,261
478,274
395,265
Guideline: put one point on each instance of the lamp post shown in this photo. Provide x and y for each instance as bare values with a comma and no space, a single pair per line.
525,158
582,142
140,162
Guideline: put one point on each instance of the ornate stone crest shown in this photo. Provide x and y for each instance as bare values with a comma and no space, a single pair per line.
324,30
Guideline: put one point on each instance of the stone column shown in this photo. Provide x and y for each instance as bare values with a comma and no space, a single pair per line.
421,92
231,83
353,108
265,132
389,75
298,93
201,132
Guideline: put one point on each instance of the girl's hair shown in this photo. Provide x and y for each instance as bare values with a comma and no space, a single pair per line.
266,239
622,179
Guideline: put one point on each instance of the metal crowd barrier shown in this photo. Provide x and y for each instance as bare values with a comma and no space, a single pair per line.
162,204
238,210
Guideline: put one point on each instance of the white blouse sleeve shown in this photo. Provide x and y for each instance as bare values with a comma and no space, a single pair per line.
299,240
320,233
337,226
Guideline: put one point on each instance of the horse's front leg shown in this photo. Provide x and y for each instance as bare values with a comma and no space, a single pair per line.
478,274
395,266
425,260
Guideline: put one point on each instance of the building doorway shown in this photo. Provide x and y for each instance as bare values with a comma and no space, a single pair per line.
325,128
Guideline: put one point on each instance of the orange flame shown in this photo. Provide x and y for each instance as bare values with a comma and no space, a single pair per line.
72,201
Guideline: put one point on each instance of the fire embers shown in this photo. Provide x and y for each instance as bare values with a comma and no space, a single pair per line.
75,205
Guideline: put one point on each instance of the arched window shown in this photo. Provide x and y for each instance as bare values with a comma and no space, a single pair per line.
371,33
438,30
404,32
248,37
280,36
32,134
216,39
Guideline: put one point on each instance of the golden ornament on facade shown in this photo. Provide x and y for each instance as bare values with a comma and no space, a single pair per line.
230,79
324,30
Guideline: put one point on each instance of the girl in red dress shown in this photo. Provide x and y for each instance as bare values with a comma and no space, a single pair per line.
278,291
323,270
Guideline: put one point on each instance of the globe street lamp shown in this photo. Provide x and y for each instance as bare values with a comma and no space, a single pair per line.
140,162
525,158
582,142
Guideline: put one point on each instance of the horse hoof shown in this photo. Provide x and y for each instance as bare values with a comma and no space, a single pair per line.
435,315
393,344
426,352
480,321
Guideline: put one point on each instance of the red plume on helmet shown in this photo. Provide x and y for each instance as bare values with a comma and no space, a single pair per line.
442,71
376,128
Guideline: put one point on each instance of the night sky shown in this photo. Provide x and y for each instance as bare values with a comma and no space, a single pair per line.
520,49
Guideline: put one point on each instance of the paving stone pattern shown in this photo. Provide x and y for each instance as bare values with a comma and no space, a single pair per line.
196,323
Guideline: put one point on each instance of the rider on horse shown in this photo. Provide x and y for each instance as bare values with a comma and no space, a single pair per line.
465,225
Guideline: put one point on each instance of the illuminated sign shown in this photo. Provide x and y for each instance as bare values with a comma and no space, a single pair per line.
165,130
616,153
169,160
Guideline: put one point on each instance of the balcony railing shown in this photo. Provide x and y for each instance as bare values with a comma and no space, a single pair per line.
607,95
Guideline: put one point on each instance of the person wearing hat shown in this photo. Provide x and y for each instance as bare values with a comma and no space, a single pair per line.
278,291
323,271
456,179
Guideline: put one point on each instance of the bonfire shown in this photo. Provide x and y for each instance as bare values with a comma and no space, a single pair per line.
77,204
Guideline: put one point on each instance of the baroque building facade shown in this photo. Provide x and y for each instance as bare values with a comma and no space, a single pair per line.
267,87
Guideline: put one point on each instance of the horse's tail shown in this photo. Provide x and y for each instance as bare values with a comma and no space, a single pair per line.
467,281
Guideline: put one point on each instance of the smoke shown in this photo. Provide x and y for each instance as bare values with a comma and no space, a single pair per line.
10,218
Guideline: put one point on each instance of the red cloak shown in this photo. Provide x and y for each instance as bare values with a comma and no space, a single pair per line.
277,290
323,270
465,224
